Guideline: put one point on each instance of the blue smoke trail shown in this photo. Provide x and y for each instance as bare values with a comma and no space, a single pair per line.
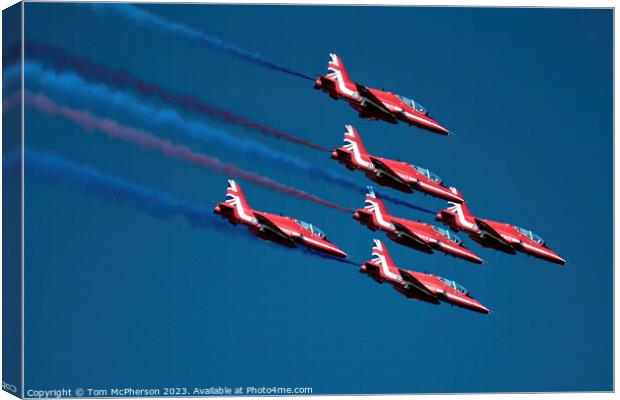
78,91
57,169
144,18
122,79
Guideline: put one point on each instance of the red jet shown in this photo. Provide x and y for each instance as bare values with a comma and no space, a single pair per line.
497,235
417,235
395,174
371,103
283,230
416,285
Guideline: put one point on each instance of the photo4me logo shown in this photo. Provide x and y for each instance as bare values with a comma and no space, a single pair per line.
263,390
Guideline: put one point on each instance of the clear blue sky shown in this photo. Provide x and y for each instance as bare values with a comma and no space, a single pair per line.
116,297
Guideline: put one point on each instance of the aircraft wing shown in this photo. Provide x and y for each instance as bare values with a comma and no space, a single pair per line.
412,283
388,172
489,232
272,228
371,100
415,239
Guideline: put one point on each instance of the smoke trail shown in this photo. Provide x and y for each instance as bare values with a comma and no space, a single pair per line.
78,91
144,18
122,79
145,140
157,204
98,95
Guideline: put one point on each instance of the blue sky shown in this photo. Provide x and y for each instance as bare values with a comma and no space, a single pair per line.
117,297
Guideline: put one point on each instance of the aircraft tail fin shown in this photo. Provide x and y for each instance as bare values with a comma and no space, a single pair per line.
235,196
458,215
381,256
336,69
375,205
353,141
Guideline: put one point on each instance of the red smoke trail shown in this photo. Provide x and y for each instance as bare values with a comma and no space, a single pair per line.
121,78
146,141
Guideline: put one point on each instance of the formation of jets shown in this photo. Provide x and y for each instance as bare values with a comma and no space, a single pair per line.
405,177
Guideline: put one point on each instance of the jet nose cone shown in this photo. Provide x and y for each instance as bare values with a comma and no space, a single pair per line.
339,253
482,309
468,255
474,258
478,260
474,305
436,127
442,130
557,259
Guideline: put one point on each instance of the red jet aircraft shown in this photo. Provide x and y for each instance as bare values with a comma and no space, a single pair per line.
497,235
395,174
371,103
417,235
283,230
416,285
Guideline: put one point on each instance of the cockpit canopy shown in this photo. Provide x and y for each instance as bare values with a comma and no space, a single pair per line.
431,175
454,285
531,235
311,228
448,234
417,106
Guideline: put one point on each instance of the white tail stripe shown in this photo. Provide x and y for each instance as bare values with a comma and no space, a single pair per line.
342,85
334,59
236,201
385,268
351,144
377,211
461,217
357,156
